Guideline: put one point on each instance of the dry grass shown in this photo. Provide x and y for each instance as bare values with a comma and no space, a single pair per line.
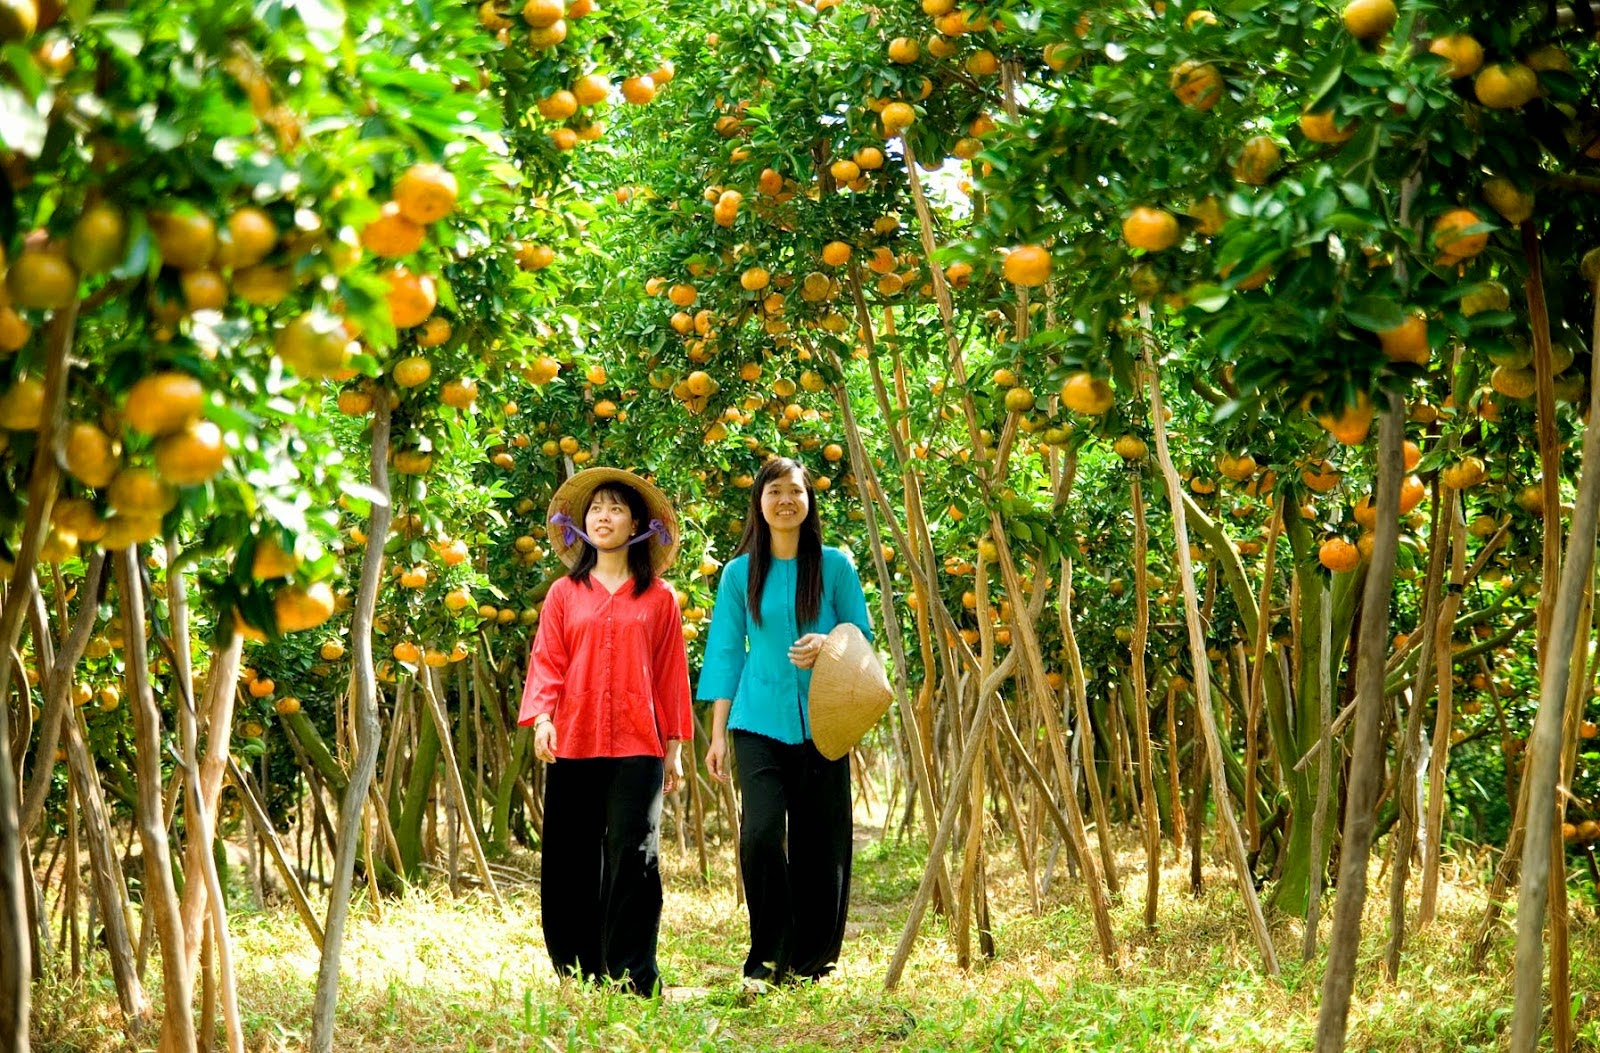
437,973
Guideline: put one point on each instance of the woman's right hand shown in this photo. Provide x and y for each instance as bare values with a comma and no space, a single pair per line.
717,758
544,741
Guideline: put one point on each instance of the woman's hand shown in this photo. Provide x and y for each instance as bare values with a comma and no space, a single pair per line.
544,741
803,652
672,767
717,758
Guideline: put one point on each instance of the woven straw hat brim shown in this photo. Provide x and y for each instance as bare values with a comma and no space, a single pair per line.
850,691
573,498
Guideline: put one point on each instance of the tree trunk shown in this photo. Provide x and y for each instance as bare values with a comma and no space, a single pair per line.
1366,746
364,695
1202,678
1544,744
160,894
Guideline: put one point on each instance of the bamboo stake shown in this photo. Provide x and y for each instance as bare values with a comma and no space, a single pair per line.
1319,818
368,734
1439,759
1141,705
262,824
1197,650
457,788
952,807
1079,685
1544,744
1252,757
1173,788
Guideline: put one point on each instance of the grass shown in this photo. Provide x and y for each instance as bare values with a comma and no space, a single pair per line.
436,973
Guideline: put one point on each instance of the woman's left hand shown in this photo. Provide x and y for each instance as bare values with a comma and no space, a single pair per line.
672,768
803,652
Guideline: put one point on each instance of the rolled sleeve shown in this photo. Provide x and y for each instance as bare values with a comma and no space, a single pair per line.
723,666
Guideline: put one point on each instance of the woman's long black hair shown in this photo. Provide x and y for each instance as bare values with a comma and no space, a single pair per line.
757,542
640,564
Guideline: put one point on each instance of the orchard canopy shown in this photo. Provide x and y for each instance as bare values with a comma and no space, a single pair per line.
1203,394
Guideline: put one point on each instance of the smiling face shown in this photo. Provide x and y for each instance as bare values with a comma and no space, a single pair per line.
608,522
784,502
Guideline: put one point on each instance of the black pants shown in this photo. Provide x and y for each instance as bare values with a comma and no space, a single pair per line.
798,891
600,873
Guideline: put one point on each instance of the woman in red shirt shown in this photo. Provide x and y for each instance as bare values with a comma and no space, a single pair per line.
608,697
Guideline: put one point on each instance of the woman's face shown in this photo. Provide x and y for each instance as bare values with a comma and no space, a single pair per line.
784,502
608,522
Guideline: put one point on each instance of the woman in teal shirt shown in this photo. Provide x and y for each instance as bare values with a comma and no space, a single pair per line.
777,600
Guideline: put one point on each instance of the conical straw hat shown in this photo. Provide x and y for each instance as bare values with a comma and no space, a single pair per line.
572,499
849,691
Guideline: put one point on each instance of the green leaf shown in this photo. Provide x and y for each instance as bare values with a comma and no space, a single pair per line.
1374,313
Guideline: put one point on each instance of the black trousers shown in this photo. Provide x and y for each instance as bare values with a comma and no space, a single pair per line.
794,849
600,872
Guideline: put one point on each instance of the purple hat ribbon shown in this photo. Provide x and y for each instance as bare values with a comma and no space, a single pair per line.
570,533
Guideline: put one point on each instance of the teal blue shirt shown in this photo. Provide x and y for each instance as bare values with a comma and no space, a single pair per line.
749,663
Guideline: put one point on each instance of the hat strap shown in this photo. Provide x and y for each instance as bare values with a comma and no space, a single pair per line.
657,530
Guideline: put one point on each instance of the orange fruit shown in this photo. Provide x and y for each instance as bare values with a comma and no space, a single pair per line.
1258,159
314,345
92,456
77,516
1319,476
163,403
1408,341
1370,19
534,257
683,294
251,236
897,116
1449,237
435,331
186,240
836,253
1322,128
99,238
1084,392
1027,265
638,90
412,462
1351,423
542,37
1512,202
22,405
141,492
299,607
1462,53
543,13
1130,448
1152,229
287,706
558,105
392,234
426,193
591,89
42,279
1506,85
412,371
203,290
15,331
459,393
1338,555
263,286
412,297
271,561
1196,84
193,455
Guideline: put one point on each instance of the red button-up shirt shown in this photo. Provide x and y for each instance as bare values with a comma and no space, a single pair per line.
610,670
